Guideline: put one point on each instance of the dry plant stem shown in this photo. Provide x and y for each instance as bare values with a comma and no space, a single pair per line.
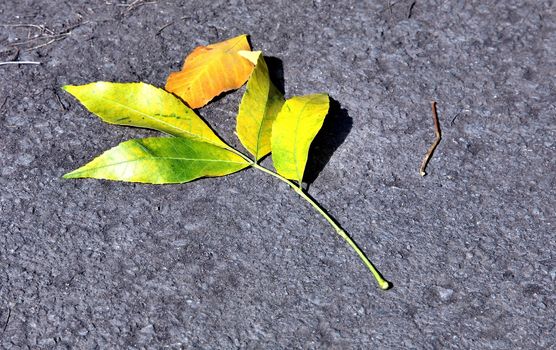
18,62
382,283
47,43
135,4
44,34
437,139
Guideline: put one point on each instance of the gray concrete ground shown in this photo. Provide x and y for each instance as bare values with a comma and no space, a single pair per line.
241,261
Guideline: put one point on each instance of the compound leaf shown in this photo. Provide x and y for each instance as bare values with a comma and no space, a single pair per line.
161,160
145,106
258,110
296,126
211,70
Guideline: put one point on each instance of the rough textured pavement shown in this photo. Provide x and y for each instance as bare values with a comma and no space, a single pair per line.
241,261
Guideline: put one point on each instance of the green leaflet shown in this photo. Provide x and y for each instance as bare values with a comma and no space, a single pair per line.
295,127
145,106
258,109
161,160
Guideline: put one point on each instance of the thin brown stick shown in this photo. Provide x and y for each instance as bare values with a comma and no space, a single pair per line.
47,43
164,27
410,12
40,27
169,24
136,4
26,42
437,139
44,37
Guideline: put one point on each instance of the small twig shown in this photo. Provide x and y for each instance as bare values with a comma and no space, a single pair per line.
18,62
435,143
40,27
136,4
48,42
68,30
411,9
164,27
454,119
26,42
44,34
130,4
170,24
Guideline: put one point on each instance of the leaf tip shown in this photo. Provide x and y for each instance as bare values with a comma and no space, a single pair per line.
246,36
70,175
251,56
71,89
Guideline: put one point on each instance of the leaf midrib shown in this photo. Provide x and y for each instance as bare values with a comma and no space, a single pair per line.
265,117
155,158
157,120
202,70
299,178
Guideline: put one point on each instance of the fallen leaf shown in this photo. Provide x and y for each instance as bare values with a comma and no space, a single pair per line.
161,160
211,70
295,127
196,151
145,106
258,110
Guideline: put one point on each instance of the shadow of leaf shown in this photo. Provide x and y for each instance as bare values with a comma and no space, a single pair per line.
276,72
333,133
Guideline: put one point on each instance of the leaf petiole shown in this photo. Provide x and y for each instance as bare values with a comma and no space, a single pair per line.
382,283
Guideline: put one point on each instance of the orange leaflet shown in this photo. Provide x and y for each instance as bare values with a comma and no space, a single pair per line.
211,70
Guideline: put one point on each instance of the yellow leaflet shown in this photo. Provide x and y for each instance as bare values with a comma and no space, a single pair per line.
296,126
258,109
144,106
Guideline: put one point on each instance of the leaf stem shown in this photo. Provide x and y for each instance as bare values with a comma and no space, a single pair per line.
382,283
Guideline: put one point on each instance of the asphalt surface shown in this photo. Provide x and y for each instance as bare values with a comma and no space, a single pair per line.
241,262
